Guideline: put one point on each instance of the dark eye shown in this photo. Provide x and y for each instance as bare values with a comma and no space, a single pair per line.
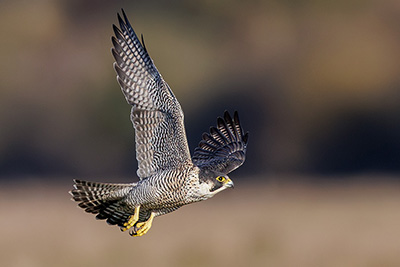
220,178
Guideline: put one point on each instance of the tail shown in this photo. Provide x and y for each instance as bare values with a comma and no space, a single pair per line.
108,201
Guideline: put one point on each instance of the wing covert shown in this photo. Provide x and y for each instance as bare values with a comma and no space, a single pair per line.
156,113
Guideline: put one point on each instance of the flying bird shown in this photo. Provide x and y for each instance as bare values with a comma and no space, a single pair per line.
168,176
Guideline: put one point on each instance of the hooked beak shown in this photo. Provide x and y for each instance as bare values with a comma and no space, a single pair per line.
230,183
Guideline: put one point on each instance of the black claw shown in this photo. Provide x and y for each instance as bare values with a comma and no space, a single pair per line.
136,228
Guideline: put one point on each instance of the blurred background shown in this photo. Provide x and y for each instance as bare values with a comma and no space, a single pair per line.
316,83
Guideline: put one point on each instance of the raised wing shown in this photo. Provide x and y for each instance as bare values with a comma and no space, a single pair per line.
156,113
224,148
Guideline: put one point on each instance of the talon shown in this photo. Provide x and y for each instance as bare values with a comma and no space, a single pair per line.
136,228
143,227
132,233
132,220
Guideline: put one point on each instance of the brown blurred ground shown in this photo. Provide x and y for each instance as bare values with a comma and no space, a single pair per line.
350,224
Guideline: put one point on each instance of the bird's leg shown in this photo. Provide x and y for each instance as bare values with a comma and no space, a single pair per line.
132,219
143,227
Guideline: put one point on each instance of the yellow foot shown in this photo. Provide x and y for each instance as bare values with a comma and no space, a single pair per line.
132,220
143,227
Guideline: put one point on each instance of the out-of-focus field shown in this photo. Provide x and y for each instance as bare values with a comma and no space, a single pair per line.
356,224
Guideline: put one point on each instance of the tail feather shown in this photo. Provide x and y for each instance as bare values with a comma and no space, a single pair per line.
106,200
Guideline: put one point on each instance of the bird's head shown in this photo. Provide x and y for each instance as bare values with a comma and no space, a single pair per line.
212,182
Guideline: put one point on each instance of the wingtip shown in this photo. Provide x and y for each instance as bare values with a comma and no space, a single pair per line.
117,32
220,120
246,137
124,14
126,20
120,20
236,115
228,117
144,46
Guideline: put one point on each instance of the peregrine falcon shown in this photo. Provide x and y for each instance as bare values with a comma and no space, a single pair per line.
168,176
